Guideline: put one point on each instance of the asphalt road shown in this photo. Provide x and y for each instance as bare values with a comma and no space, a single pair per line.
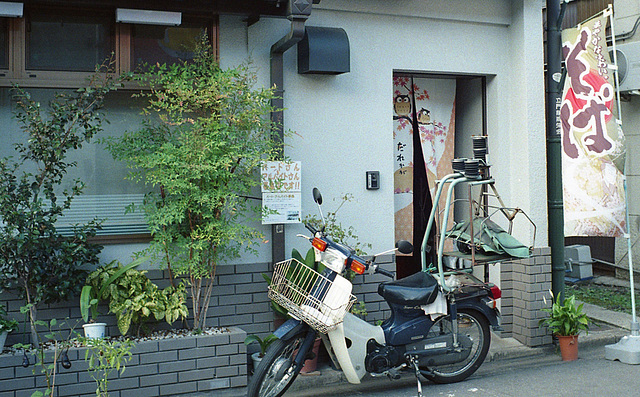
547,376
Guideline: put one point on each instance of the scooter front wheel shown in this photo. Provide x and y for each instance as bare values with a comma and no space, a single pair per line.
474,327
277,370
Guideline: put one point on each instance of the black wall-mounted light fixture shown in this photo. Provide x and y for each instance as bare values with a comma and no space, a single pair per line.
323,51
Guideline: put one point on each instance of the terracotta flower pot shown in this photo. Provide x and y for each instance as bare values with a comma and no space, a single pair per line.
568,347
311,365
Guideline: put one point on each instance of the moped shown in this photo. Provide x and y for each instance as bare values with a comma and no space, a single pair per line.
439,326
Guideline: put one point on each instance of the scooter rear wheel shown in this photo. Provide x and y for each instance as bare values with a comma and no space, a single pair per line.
277,370
476,327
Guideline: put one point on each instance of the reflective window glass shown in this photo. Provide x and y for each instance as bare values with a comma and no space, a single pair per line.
4,43
68,42
164,44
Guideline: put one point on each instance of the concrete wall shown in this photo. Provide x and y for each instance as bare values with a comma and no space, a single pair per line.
343,124
631,127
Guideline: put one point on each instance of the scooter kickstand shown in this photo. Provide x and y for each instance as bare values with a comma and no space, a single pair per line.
414,361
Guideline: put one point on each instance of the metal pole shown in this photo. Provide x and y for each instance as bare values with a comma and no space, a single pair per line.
554,147
635,327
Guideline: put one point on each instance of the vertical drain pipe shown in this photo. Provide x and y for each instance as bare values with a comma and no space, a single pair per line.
298,11
554,147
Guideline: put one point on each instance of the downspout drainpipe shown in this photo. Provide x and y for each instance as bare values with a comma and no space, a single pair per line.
554,146
277,82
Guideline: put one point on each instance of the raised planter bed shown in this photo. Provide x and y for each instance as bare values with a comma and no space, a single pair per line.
159,367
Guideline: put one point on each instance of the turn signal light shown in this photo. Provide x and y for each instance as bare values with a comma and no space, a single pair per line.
319,244
495,292
358,267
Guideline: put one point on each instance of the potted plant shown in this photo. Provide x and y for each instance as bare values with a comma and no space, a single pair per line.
95,290
566,321
6,326
132,297
264,345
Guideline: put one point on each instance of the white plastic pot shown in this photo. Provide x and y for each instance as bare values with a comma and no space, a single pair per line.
94,330
255,357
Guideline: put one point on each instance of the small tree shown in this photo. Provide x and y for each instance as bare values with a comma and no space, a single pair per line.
36,260
208,132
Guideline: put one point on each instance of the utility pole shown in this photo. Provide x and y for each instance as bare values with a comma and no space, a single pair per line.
555,208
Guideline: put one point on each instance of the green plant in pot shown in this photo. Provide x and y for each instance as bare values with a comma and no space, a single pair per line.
6,326
281,314
566,320
264,345
131,296
96,289
308,260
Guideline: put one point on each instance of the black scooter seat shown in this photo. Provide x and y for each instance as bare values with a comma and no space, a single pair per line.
416,290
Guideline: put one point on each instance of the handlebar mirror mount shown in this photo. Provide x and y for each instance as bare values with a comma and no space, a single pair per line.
404,247
317,197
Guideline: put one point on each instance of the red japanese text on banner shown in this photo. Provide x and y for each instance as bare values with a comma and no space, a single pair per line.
593,147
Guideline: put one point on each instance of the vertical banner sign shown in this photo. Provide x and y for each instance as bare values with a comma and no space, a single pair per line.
281,192
593,147
432,103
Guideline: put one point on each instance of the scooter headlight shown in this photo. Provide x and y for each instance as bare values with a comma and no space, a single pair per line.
333,259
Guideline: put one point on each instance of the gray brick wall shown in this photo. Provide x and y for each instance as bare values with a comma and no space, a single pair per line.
240,300
155,370
525,283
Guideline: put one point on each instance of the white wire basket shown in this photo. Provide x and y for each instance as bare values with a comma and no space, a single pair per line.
309,296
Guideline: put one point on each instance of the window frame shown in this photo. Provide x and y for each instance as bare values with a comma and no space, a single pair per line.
17,73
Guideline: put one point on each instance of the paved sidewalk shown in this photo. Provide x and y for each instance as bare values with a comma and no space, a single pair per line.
607,328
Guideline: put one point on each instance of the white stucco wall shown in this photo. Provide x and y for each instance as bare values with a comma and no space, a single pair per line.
343,123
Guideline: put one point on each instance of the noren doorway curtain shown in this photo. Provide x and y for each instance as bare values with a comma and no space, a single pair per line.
423,137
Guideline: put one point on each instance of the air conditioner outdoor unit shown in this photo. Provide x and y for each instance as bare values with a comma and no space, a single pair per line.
628,55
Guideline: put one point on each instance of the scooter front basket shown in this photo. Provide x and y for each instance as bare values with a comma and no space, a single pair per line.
309,296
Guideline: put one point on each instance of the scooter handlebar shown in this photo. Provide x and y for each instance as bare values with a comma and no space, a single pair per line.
384,272
311,229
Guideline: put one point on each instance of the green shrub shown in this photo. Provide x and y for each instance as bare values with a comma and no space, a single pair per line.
36,261
133,298
200,152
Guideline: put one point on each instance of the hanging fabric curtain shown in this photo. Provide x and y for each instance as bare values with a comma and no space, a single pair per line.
424,125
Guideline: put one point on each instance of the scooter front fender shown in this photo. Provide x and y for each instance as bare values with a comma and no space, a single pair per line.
289,329
339,345
359,333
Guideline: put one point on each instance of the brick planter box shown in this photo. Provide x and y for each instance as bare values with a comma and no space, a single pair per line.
162,367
